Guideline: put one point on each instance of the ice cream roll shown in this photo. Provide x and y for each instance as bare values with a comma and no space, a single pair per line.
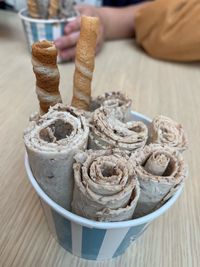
160,171
117,102
107,131
67,8
51,142
42,6
166,131
106,187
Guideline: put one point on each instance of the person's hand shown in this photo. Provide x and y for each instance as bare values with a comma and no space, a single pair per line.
66,44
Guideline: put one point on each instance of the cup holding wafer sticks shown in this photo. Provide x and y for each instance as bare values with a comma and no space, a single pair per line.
71,230
46,19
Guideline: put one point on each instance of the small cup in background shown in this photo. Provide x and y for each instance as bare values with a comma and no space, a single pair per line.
42,29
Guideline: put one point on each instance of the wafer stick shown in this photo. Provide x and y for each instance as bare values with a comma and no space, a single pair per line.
33,8
44,56
53,8
84,62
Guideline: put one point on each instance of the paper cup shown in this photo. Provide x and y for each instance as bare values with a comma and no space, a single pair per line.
89,239
42,29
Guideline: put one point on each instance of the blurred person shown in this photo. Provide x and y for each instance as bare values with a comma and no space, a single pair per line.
166,30
116,22
15,5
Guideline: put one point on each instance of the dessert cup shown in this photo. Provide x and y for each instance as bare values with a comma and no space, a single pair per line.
90,239
42,29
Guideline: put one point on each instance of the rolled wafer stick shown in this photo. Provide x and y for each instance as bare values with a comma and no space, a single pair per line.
44,56
53,8
33,8
84,62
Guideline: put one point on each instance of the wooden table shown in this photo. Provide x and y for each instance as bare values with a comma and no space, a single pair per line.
156,87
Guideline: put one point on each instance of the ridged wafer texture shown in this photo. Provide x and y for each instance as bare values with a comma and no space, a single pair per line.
53,8
44,61
33,8
84,62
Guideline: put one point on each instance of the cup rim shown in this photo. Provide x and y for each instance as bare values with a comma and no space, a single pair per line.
95,224
47,21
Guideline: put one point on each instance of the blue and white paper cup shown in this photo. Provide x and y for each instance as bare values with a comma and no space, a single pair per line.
89,239
42,29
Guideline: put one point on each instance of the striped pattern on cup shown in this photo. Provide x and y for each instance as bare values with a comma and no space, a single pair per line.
90,243
41,31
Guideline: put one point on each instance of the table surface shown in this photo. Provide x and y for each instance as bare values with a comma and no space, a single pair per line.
156,87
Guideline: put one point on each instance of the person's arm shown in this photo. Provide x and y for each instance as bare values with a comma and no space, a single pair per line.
116,23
